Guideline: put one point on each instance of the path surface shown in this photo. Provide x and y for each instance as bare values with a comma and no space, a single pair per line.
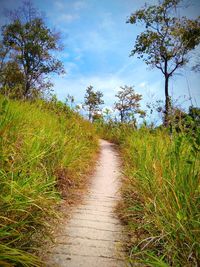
93,236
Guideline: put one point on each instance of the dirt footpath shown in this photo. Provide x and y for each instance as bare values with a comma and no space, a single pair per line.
93,235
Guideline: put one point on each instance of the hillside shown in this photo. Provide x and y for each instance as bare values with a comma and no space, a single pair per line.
45,150
160,193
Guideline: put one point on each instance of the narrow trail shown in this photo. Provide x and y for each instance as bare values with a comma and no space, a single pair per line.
93,235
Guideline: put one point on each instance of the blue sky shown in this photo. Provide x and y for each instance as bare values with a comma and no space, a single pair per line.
97,43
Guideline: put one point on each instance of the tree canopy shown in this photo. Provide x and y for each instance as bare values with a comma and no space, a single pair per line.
93,100
166,40
30,44
128,103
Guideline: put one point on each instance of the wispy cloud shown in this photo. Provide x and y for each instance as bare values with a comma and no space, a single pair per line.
69,11
78,5
66,18
77,86
97,47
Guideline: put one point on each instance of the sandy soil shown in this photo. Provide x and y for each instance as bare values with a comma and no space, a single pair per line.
93,236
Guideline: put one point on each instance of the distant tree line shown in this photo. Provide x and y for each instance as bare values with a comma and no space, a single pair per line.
127,104
127,109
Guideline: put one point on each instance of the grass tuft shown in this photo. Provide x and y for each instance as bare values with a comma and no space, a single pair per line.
161,194
42,145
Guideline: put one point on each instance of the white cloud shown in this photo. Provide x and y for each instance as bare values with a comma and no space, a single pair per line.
68,11
70,67
93,41
77,85
142,84
107,22
105,39
65,55
99,38
66,18
78,57
59,4
79,5
105,83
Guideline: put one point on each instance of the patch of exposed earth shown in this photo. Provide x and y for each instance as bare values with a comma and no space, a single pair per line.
93,235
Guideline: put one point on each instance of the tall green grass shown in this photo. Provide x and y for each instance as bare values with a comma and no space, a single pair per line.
161,195
44,147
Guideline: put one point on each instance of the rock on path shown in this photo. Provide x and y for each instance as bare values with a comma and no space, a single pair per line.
93,236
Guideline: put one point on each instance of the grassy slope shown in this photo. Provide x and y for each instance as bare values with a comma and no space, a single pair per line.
161,189
43,147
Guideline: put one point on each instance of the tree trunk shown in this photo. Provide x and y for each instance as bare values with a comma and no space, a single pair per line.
122,116
27,88
90,114
167,101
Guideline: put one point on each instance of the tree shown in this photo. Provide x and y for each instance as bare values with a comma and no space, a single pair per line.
3,53
194,113
186,122
166,41
107,114
31,44
128,103
69,101
11,80
92,101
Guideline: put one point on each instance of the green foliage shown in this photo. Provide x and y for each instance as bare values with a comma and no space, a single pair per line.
12,80
92,101
167,37
182,122
160,194
43,147
3,53
128,103
166,40
194,113
31,43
